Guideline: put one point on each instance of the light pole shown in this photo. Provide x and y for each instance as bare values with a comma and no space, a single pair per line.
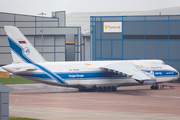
42,30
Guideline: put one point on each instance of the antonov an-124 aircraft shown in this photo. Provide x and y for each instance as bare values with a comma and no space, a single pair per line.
84,75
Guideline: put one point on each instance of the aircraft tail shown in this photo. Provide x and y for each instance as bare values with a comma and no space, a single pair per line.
21,49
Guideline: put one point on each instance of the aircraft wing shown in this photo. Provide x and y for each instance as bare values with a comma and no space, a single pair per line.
128,69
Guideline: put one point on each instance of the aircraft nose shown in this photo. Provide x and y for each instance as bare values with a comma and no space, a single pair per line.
176,71
175,78
178,74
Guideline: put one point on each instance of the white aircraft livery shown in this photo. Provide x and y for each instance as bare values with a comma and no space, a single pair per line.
84,75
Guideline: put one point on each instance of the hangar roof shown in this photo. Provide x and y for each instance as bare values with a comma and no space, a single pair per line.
83,18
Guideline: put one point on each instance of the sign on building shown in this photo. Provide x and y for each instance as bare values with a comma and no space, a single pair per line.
112,27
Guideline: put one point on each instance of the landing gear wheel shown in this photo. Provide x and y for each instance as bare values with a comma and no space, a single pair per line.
152,87
96,89
100,89
109,89
81,90
105,89
114,89
155,87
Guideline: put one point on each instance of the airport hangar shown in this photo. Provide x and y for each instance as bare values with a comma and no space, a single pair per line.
142,35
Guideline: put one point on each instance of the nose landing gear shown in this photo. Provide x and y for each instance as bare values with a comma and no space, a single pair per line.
154,87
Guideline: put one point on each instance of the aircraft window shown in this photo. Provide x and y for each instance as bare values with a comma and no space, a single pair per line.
163,63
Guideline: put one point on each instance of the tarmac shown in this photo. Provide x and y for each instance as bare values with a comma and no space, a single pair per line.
46,102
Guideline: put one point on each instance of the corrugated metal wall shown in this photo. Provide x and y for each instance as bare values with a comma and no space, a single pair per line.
142,37
55,35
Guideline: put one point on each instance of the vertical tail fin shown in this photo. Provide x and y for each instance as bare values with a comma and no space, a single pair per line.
21,49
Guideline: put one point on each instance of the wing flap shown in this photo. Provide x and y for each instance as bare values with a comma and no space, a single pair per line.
128,69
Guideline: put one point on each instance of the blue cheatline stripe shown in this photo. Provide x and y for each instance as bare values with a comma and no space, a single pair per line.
53,75
163,72
18,50
86,75
18,55
77,75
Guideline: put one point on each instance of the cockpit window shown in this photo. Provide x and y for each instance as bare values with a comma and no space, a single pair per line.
163,63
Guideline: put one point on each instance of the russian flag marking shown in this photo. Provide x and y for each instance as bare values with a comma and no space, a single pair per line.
22,42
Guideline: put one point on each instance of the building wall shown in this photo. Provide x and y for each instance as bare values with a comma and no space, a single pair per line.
55,35
86,48
142,37
4,102
4,105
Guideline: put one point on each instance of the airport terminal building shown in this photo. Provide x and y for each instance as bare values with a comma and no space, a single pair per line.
98,36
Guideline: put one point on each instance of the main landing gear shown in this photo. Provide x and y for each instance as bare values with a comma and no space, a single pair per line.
100,89
105,89
154,87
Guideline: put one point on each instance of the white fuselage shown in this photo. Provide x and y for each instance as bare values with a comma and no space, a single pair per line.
88,74
29,63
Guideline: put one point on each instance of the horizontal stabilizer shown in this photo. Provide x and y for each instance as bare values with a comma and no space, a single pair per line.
24,69
19,69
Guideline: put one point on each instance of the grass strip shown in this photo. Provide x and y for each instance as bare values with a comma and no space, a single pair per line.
18,118
15,81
